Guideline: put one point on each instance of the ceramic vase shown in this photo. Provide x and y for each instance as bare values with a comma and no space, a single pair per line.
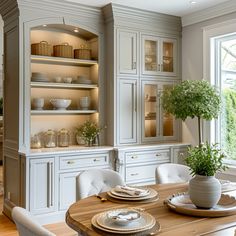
204,191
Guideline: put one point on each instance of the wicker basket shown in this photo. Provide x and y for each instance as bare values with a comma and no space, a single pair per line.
63,50
42,48
82,54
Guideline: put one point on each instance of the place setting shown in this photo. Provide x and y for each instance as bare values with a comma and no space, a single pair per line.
126,221
132,194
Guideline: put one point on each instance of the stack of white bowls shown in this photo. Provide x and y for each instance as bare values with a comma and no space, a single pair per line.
38,103
84,103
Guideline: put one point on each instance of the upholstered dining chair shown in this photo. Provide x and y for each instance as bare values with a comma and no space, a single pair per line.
172,173
27,225
95,181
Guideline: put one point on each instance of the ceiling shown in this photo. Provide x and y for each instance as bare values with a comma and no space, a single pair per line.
172,7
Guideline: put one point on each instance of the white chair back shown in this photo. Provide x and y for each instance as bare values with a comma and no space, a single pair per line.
172,173
27,225
96,181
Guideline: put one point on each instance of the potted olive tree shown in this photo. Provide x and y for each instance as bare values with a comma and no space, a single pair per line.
197,98
192,98
204,161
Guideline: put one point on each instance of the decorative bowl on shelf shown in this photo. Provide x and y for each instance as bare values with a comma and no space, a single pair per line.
67,80
84,103
60,104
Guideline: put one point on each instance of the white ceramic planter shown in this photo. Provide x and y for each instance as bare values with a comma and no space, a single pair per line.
204,191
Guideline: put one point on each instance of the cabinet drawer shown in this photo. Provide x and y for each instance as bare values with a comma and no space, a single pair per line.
140,173
156,155
72,162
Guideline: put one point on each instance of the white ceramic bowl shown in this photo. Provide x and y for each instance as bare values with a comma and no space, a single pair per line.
67,80
60,104
123,216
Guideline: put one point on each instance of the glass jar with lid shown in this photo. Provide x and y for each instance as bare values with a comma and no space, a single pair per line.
63,138
36,141
50,139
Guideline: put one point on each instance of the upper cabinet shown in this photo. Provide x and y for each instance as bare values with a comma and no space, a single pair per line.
157,125
127,52
159,56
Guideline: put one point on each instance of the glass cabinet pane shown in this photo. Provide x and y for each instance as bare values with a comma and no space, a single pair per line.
151,111
168,120
150,53
167,60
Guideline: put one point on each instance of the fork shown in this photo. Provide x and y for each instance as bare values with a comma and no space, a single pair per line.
103,199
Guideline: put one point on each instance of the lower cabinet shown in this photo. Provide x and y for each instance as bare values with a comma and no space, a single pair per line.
42,185
67,189
179,154
138,167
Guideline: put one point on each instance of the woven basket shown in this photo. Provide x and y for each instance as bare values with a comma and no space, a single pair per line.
82,54
42,49
63,50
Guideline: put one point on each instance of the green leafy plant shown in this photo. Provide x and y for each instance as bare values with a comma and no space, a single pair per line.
192,98
88,131
205,160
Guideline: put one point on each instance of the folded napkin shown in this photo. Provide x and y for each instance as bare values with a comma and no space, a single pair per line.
131,190
126,216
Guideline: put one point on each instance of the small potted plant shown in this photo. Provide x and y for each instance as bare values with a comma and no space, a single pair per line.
204,161
88,132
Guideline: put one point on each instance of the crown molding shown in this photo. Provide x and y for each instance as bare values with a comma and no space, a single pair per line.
209,13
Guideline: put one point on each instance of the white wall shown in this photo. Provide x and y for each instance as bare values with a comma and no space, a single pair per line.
192,64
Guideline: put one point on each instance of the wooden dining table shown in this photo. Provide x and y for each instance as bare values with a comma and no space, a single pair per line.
79,214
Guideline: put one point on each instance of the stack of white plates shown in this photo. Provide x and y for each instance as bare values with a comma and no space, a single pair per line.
145,222
83,80
148,193
39,77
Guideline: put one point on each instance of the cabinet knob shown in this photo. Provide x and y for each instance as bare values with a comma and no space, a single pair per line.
96,160
134,157
70,162
134,174
158,154
181,154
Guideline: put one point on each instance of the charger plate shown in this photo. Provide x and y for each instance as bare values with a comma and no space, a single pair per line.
181,203
152,194
123,194
145,223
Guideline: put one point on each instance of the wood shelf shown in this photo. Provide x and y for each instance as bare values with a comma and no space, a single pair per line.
62,112
62,61
62,85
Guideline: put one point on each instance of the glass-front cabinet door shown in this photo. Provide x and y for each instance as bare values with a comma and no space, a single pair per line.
157,125
159,56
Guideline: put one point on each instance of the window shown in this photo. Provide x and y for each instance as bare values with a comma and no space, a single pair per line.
224,57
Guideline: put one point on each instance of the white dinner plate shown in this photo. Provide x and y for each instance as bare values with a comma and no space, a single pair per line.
153,193
145,222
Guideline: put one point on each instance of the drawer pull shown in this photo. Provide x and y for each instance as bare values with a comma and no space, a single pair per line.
70,162
134,174
134,157
158,154
96,160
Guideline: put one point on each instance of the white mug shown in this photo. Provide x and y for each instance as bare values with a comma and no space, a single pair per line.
84,103
38,103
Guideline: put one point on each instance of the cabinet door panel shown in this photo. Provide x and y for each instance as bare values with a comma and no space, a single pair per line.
42,185
127,111
127,52
67,190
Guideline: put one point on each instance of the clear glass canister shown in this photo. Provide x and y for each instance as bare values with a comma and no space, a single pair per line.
35,141
50,139
63,138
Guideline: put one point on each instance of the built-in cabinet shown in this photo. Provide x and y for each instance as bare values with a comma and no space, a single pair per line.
127,52
127,110
156,124
63,78
137,165
159,56
42,185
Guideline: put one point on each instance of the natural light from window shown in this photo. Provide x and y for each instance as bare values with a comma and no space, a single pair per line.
225,76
